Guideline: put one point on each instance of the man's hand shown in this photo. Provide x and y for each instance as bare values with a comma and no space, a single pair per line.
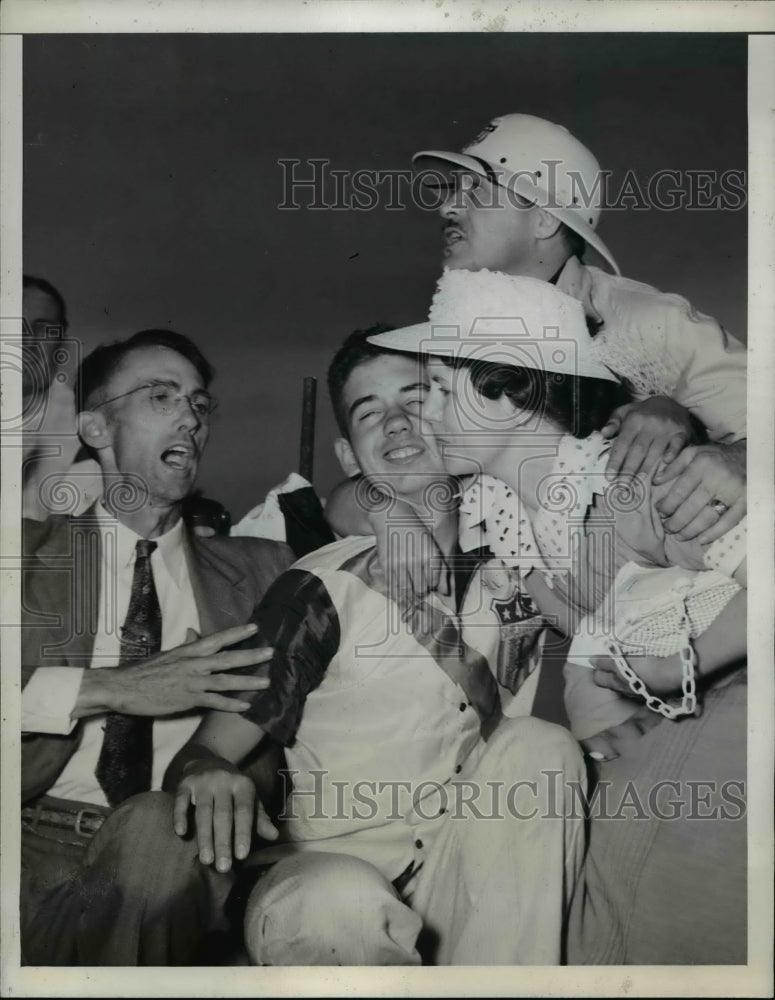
412,561
662,675
701,475
224,801
646,433
178,680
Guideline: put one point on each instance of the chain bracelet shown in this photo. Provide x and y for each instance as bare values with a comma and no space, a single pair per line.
688,703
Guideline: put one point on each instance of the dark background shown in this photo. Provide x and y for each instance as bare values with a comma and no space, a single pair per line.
151,187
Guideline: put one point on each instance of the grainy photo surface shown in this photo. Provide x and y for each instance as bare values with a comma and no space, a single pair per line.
376,505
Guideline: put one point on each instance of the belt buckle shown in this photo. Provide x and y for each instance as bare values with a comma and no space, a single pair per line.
86,814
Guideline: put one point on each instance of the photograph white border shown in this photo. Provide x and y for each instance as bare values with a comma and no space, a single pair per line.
203,16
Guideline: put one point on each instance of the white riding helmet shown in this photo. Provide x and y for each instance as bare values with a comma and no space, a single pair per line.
541,162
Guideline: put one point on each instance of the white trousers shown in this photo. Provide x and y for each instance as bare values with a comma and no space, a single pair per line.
493,889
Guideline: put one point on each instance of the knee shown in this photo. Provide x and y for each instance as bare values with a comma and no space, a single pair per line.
143,819
148,809
289,915
528,746
138,843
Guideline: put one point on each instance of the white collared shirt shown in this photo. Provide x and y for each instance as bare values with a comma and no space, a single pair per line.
376,717
49,697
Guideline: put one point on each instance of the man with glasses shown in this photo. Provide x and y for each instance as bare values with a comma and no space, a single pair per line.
58,476
115,675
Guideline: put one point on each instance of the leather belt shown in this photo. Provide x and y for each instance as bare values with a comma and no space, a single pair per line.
85,821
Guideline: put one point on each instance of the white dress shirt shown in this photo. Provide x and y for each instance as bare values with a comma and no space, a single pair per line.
49,698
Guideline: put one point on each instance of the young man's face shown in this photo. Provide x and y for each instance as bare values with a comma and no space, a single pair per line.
485,226
161,449
389,440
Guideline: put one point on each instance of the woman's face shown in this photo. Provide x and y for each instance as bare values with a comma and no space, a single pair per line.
473,433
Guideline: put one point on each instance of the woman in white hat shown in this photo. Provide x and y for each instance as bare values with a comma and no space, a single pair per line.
518,395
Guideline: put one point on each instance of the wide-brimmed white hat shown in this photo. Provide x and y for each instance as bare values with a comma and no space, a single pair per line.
504,319
539,161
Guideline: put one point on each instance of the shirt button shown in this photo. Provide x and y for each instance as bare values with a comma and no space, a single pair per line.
418,844
463,706
458,768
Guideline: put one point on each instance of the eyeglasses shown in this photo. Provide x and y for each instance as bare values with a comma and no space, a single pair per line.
166,399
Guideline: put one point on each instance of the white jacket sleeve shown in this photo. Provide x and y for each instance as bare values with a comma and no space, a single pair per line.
663,346
711,369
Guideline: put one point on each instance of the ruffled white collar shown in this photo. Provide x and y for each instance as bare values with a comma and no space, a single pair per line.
491,513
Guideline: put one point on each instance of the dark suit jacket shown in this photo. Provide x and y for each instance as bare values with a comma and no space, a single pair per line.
60,603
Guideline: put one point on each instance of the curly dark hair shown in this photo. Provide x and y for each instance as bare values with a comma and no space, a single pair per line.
576,403
355,351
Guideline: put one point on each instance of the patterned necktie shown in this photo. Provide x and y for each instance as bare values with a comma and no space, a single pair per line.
126,757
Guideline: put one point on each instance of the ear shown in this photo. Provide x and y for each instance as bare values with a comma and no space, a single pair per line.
93,429
344,452
509,409
545,224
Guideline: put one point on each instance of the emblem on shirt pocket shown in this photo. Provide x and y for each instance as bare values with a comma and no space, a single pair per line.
521,633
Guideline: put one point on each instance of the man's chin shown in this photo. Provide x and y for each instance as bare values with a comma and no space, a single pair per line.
176,488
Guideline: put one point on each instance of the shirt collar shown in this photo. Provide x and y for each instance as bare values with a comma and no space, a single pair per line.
574,279
170,544
490,511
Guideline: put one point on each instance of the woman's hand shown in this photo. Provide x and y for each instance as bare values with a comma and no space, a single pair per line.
707,495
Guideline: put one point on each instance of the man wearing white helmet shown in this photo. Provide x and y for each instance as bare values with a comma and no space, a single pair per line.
547,186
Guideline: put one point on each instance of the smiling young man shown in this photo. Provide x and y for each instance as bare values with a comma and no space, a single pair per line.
114,682
415,805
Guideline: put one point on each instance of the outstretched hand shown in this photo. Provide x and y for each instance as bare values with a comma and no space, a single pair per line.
187,677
